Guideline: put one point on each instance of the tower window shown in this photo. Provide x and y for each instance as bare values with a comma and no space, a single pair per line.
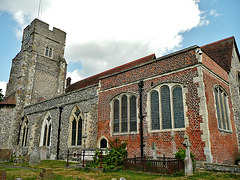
48,52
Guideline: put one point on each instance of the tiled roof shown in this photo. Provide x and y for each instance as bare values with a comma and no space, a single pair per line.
221,52
95,79
10,100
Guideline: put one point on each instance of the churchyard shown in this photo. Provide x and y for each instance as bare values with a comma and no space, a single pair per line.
60,171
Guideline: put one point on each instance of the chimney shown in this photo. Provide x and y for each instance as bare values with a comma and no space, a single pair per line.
68,81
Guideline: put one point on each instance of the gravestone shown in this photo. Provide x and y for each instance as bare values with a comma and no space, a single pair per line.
5,155
188,160
43,153
154,148
47,174
34,157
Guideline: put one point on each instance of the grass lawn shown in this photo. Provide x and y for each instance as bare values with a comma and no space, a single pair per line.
61,172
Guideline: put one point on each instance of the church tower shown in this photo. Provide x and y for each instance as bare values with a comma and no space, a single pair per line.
38,73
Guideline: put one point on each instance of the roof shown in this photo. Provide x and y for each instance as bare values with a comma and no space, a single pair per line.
221,52
95,78
10,100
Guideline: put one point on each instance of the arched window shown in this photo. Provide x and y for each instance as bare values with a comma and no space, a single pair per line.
103,143
50,52
45,139
124,114
76,127
46,51
23,132
167,107
222,110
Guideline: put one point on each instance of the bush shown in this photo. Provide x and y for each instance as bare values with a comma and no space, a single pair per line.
181,154
115,157
237,160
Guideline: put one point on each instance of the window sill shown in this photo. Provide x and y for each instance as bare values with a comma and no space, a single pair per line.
167,130
125,133
75,146
224,130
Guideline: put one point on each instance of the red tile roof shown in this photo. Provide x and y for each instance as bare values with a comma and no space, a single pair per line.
10,100
221,52
95,79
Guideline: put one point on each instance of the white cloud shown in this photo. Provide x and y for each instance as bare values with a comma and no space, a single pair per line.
3,86
75,76
214,13
106,33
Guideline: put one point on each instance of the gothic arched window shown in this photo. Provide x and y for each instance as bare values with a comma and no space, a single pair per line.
222,110
103,143
45,139
124,114
23,132
76,127
167,107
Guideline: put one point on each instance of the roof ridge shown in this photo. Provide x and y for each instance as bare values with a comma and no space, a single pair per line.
232,37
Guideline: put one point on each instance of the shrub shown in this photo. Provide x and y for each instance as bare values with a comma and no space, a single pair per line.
181,154
237,160
115,156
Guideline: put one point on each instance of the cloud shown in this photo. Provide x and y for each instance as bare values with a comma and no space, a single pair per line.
106,33
3,86
214,13
75,76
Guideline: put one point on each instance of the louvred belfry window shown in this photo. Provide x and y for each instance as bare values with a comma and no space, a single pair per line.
124,114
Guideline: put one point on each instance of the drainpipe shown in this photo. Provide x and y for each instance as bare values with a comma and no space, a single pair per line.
140,85
59,129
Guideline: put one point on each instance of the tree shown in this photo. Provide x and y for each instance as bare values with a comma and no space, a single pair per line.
1,95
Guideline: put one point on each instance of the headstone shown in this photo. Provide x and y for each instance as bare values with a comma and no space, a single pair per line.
122,178
43,152
34,157
188,160
47,174
113,179
53,157
3,174
5,155
18,161
154,148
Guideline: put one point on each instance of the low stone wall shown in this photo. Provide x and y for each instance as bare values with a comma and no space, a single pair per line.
201,166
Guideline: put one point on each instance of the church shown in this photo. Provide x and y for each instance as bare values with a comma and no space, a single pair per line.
148,101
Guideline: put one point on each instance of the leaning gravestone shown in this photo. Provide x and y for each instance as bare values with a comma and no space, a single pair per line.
34,157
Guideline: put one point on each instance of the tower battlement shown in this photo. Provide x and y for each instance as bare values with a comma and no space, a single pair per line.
42,28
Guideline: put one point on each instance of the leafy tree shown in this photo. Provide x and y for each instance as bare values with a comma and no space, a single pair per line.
1,95
181,154
114,158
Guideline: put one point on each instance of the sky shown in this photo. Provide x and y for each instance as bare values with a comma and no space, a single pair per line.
102,34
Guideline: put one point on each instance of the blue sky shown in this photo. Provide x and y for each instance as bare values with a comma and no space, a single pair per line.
102,36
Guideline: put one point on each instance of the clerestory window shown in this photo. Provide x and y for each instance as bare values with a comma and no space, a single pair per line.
124,113
45,139
76,121
222,109
166,107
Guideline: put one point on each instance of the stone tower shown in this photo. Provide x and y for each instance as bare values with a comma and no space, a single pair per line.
38,73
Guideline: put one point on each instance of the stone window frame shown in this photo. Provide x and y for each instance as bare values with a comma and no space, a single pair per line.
225,110
45,132
158,88
23,132
77,118
119,97
48,51
99,141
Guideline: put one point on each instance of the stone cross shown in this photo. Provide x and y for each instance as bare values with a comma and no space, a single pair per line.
154,148
188,159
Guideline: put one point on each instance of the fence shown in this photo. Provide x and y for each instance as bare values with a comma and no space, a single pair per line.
147,164
83,156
